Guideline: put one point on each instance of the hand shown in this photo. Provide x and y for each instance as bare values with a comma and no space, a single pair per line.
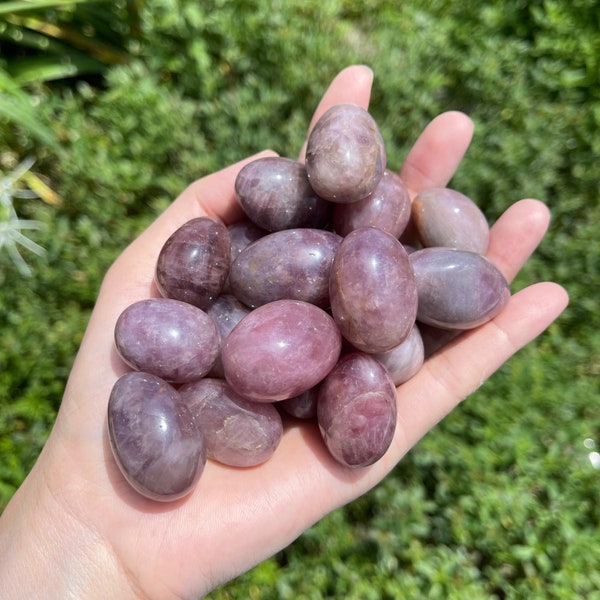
76,528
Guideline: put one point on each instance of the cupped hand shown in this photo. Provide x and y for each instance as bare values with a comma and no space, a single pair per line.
105,540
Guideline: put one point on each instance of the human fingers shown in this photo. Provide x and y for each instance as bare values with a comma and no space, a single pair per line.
436,154
451,375
351,85
516,234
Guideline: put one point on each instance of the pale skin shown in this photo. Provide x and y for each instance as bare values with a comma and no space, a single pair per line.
75,529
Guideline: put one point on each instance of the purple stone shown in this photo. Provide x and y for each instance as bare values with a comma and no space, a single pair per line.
154,438
294,264
457,289
237,432
280,350
446,218
194,262
168,338
275,194
303,406
226,311
242,234
388,208
372,290
405,360
357,410
345,154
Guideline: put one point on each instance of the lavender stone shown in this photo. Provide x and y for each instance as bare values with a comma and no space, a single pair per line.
226,311
237,432
388,208
345,154
154,438
357,411
293,264
405,360
303,406
275,194
446,218
457,289
194,262
168,338
372,290
280,350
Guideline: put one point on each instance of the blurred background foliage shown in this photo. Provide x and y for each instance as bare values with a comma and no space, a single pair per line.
123,102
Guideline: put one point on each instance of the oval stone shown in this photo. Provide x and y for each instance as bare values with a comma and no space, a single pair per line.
153,436
226,311
457,289
446,218
345,154
168,338
237,432
357,410
280,350
388,208
294,264
194,262
275,194
405,360
372,290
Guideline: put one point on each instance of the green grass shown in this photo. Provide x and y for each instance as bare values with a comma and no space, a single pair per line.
500,500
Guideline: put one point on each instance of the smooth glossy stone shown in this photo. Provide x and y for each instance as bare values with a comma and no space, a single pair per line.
405,360
345,154
457,289
444,217
194,262
226,311
388,208
435,338
293,264
275,194
237,432
280,350
372,290
242,234
303,406
168,338
154,438
357,410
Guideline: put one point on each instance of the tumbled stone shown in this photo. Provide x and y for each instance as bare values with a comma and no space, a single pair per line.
168,338
372,290
357,411
405,360
154,438
387,208
275,194
280,350
237,432
457,289
345,154
293,264
446,218
194,262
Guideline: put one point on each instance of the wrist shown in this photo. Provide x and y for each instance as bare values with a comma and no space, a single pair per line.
47,552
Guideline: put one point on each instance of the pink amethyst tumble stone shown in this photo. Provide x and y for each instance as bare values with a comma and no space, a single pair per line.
194,262
345,154
356,410
237,432
168,338
154,438
280,350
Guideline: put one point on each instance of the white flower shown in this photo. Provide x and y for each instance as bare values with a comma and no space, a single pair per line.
10,224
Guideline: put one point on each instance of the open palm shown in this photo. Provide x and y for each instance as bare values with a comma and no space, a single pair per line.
111,542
